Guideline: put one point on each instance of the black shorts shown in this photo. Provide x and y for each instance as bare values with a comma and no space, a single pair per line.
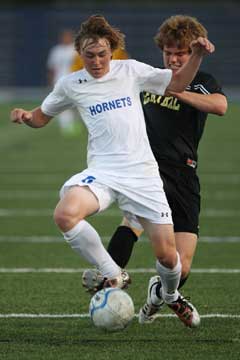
182,188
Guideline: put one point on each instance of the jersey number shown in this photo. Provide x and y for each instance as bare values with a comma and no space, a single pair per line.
88,179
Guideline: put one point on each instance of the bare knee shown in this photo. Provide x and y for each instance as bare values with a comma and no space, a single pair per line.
64,219
169,260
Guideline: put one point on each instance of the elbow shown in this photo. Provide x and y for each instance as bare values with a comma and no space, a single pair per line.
222,108
175,87
218,104
178,84
221,113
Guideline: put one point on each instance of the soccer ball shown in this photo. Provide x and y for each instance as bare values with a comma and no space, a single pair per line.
111,309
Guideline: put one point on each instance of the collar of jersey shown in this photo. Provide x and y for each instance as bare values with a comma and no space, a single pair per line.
103,78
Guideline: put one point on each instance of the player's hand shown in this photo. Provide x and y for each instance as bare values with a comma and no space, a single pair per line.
202,46
21,116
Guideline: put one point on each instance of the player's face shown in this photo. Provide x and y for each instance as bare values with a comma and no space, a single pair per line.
96,56
174,58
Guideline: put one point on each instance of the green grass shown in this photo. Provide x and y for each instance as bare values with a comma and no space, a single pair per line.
34,165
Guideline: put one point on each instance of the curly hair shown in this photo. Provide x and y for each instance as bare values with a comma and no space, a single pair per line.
180,31
96,27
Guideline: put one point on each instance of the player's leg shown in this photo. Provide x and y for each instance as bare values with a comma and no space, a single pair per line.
164,287
122,242
168,261
77,203
186,244
121,246
120,249
168,267
183,194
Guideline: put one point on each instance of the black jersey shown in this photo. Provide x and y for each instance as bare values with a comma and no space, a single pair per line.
175,128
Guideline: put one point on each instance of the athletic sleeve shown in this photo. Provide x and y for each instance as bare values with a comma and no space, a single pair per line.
205,83
213,86
57,101
151,79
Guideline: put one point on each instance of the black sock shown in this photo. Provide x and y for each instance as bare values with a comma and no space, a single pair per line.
158,287
182,282
121,245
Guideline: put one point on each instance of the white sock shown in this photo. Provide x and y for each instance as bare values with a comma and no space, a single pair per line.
170,279
84,239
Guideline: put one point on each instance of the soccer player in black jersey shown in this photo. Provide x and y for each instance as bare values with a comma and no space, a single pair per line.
175,124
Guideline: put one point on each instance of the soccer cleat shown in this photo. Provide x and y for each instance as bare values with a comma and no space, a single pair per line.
116,282
186,312
93,280
148,312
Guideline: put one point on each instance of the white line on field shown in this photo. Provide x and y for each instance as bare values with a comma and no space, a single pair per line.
206,213
133,271
53,239
86,315
31,239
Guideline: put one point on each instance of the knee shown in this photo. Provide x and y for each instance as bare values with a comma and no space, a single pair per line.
169,260
64,219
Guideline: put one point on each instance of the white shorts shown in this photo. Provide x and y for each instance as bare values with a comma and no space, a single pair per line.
135,197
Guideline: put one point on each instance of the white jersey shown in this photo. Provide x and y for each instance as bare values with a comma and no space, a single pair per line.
60,60
111,110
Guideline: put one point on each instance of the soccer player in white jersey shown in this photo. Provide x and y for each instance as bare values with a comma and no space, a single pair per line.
121,166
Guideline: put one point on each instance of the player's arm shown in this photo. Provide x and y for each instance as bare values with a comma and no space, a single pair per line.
184,76
209,103
34,118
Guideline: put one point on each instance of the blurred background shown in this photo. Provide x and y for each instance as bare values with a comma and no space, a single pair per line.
28,32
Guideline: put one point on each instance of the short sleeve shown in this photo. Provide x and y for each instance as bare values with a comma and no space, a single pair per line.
57,101
213,86
151,79
205,83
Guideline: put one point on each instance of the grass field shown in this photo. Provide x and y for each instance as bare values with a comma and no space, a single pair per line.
43,308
